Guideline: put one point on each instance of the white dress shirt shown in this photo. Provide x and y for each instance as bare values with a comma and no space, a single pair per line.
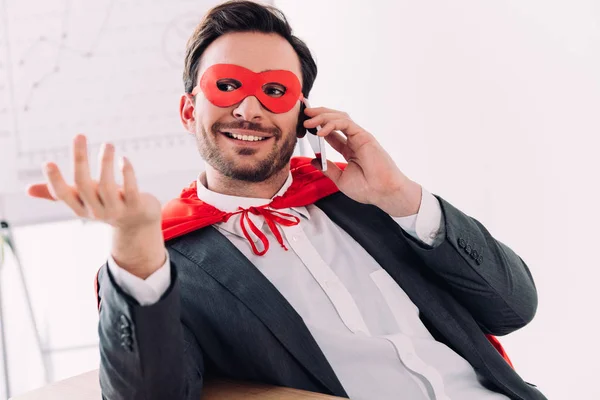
367,327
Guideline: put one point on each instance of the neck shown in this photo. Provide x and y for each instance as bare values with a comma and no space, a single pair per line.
217,182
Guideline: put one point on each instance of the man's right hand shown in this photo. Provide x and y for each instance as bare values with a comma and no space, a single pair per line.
138,244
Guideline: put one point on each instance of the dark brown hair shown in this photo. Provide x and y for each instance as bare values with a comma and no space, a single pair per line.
244,16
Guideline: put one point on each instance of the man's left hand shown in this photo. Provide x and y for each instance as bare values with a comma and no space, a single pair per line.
371,176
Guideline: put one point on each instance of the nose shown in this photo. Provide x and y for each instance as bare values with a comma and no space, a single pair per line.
249,109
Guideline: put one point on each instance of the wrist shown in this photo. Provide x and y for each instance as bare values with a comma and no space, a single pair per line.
140,250
403,202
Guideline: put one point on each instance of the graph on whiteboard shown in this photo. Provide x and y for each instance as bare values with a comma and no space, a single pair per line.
110,69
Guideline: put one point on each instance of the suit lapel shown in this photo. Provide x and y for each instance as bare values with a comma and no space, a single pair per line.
226,264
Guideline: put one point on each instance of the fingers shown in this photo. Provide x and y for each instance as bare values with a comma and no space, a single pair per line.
313,111
130,188
83,181
331,125
333,172
41,191
59,190
103,200
337,141
334,121
107,187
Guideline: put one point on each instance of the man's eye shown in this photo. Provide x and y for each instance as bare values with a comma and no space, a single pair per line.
274,90
228,85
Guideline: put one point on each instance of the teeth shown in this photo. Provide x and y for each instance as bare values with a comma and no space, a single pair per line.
248,138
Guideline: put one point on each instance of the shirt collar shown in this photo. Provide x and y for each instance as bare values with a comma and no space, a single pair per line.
229,203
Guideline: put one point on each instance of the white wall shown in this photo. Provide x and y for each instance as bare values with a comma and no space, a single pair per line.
494,106
60,261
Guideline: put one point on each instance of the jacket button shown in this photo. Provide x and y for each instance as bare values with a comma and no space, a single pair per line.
125,330
127,343
127,347
474,255
479,260
124,321
468,249
461,243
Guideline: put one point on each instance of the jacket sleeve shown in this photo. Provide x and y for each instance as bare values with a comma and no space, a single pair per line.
145,351
485,275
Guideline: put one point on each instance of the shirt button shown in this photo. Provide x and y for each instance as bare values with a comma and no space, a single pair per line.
295,238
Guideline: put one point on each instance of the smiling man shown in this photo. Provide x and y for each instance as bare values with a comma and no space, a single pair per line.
355,282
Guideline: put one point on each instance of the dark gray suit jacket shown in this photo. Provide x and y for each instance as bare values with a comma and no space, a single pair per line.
221,316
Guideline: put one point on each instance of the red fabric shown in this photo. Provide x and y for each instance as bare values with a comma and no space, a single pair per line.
250,84
496,343
271,217
188,213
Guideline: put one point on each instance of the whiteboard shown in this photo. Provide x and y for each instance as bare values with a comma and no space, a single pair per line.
109,69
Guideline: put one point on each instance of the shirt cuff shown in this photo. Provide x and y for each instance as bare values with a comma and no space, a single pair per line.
146,291
428,225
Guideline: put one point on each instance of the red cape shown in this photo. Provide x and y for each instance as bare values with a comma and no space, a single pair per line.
188,213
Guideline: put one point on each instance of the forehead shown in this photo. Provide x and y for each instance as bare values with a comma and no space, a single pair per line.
253,50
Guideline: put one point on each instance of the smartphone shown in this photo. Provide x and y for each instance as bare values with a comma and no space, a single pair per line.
317,143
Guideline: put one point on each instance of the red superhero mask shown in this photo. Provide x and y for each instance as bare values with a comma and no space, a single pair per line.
226,84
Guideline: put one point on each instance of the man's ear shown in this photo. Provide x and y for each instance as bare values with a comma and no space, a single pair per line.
300,129
186,112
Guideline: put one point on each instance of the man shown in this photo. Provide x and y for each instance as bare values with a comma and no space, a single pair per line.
354,282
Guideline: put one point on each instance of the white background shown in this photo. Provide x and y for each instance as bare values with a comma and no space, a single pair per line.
492,105
495,106
110,69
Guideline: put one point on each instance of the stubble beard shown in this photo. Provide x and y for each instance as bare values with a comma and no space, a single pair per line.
262,170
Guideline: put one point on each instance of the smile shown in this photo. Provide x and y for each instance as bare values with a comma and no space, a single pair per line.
246,138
